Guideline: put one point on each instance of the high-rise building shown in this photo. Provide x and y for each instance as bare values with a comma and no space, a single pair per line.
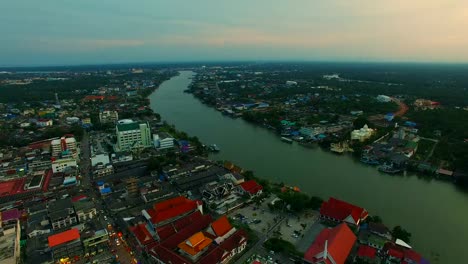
133,135
64,147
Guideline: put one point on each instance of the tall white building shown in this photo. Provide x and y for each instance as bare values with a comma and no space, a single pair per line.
64,145
131,134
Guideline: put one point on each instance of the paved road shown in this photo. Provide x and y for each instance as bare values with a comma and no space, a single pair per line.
122,250
258,246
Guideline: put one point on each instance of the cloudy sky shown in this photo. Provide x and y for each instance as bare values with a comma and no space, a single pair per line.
52,32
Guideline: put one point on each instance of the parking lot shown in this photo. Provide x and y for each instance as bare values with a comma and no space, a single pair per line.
299,230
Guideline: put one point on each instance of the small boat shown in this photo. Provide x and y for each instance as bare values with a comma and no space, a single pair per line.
369,161
214,148
287,140
388,168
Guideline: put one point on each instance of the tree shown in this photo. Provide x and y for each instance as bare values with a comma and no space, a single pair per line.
360,122
315,202
374,219
399,232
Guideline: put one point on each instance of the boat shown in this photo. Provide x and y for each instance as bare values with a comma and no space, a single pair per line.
287,140
388,168
369,161
214,148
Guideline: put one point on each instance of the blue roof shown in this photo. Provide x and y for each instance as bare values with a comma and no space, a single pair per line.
106,190
100,183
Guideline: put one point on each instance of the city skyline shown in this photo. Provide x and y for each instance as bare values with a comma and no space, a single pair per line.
90,32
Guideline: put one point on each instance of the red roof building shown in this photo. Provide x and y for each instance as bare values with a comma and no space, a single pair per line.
251,188
142,234
64,237
394,253
340,211
332,245
221,226
366,253
195,240
412,256
168,210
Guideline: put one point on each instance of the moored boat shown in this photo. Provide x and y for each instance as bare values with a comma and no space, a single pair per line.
287,140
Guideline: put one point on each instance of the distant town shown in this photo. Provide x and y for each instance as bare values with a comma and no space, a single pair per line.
90,173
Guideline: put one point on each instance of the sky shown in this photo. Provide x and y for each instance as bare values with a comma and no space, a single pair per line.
64,32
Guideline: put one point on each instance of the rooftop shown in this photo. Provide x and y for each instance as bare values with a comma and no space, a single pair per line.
64,237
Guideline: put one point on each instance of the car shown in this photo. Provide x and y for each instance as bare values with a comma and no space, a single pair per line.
105,217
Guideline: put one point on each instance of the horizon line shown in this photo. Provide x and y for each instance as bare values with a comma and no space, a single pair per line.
231,61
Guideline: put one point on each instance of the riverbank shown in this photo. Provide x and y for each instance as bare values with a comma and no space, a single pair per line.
399,199
393,148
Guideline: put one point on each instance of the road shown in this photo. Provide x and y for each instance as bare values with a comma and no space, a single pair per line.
257,247
121,249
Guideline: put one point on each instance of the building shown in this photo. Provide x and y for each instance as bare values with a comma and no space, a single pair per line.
131,135
163,141
171,210
85,210
64,146
250,188
332,245
62,214
235,178
362,134
10,244
95,241
61,165
367,254
38,224
340,211
108,117
41,122
66,245
100,159
198,240
384,98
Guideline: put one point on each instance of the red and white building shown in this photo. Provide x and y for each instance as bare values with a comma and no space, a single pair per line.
332,246
251,188
341,211
177,232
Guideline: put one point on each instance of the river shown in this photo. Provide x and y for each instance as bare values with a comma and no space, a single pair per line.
436,213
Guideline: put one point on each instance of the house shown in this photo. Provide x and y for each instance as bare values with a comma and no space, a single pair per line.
340,211
251,188
95,241
196,239
367,254
44,122
170,210
234,177
142,235
380,230
332,245
62,214
412,257
38,224
66,244
85,210
394,255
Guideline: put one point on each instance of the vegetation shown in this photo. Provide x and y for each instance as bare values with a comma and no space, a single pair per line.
280,245
399,232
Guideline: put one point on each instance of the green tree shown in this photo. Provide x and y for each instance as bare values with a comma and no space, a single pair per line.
399,232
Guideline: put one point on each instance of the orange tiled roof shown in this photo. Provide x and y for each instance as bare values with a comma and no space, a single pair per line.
195,243
221,226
